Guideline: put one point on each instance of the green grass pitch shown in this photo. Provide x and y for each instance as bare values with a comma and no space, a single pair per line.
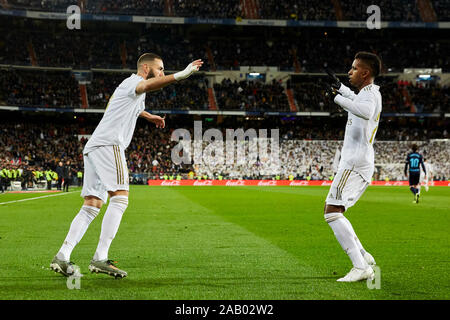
231,243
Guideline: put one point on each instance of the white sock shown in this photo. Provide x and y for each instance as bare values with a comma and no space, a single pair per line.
110,225
344,234
77,229
358,243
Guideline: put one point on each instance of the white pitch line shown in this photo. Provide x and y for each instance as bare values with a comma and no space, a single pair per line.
47,196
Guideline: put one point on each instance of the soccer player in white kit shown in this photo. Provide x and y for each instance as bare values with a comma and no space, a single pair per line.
427,178
105,167
356,166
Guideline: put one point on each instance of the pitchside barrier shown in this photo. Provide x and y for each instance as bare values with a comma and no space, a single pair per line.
275,183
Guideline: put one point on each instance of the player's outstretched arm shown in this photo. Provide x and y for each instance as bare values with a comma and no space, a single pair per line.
363,109
190,69
346,92
154,84
157,120
157,83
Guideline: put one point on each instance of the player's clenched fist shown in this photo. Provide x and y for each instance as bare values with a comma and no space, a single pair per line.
190,69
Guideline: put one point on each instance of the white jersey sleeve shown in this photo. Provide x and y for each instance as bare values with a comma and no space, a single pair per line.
346,92
117,126
364,112
363,107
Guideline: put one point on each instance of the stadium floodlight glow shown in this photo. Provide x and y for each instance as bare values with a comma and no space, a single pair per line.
254,74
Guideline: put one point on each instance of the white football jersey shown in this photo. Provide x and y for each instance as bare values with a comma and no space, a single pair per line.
428,167
117,125
364,110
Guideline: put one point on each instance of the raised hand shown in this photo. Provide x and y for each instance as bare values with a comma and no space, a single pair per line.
190,69
333,79
330,92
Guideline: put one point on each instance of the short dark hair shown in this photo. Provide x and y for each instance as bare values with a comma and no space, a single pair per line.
147,57
372,61
414,147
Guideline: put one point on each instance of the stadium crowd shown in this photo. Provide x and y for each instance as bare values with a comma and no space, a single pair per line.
176,50
47,89
309,94
208,9
187,95
136,7
296,10
307,150
222,48
250,96
391,10
442,9
30,153
231,54
59,89
316,160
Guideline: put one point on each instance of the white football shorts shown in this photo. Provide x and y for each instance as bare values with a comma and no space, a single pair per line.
347,187
105,169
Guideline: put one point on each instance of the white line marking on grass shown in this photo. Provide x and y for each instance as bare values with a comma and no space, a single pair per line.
47,196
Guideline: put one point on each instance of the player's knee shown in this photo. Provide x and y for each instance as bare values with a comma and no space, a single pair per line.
333,216
120,202
329,208
90,212
93,202
118,193
332,213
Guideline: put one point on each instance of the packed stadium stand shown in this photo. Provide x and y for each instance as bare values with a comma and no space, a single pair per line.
39,89
307,147
49,43
250,96
55,83
59,89
392,10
